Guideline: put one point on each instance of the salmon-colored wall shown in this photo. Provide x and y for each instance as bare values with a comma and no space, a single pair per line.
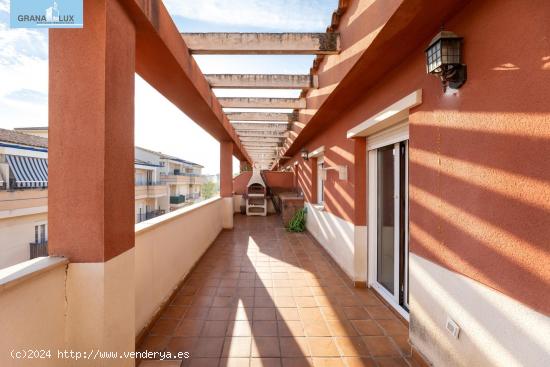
240,182
274,179
279,180
479,178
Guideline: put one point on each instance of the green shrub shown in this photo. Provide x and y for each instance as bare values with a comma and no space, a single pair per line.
298,221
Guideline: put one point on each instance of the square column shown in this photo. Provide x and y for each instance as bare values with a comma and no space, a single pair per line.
226,182
91,174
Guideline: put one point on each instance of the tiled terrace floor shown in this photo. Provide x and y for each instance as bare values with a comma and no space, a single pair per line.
264,297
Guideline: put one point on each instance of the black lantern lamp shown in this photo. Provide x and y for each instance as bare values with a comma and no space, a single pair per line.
305,154
443,59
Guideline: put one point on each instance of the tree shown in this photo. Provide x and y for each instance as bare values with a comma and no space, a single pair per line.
209,189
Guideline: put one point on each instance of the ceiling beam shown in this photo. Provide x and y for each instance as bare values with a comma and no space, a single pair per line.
260,116
260,126
262,81
262,134
262,43
256,102
259,140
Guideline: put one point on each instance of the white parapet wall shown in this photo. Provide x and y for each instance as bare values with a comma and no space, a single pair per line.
32,311
345,242
495,330
166,249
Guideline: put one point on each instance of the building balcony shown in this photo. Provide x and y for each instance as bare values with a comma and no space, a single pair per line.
177,199
140,217
38,249
152,190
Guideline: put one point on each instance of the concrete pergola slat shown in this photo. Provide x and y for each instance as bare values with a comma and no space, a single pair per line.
256,102
262,81
260,126
260,116
263,43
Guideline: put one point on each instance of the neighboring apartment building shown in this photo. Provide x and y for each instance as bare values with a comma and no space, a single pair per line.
23,197
151,194
24,190
184,179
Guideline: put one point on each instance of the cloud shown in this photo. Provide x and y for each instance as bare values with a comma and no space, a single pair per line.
287,15
23,74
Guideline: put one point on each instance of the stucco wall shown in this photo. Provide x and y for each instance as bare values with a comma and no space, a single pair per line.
33,316
479,191
15,235
166,249
496,330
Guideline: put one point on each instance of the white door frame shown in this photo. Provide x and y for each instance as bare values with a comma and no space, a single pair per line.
393,135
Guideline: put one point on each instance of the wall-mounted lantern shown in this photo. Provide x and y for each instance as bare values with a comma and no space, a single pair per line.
305,154
443,58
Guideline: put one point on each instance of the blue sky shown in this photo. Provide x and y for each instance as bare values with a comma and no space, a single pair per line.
159,124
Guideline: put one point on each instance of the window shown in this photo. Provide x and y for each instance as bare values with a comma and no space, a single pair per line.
40,233
320,182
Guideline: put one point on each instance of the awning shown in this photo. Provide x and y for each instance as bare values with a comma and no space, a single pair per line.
29,171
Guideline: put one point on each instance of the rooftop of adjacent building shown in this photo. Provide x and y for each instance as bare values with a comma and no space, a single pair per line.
16,137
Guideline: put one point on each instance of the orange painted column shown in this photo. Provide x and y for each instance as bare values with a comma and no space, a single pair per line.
226,169
226,183
360,181
91,136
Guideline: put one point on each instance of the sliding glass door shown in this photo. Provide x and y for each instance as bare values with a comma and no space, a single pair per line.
388,217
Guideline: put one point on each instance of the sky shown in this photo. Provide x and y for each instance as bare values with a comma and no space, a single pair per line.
159,125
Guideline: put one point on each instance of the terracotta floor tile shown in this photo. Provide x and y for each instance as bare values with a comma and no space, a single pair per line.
189,327
203,362
265,314
403,344
393,327
322,347
182,344
380,312
265,362
174,312
208,348
341,328
391,362
265,347
305,301
284,301
380,346
351,346
328,362
263,302
287,314
241,314
164,327
234,362
290,328
367,327
294,347
356,313
316,328
359,362
154,343
237,347
214,328
310,314
219,313
263,297
152,363
297,362
239,328
264,328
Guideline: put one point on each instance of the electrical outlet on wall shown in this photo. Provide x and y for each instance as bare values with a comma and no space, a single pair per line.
452,327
